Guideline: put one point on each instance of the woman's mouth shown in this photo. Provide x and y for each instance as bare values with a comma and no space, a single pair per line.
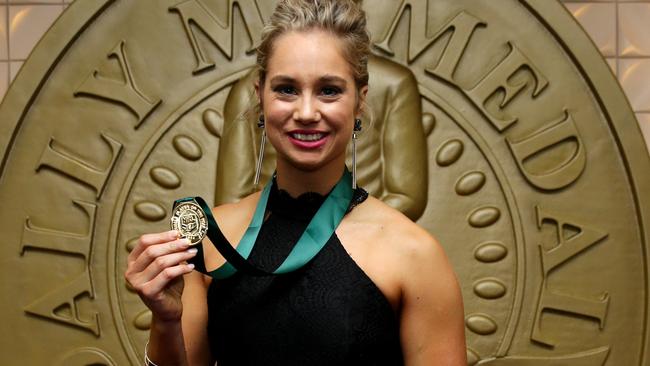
308,139
307,136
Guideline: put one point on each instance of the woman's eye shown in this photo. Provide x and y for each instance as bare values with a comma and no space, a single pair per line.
285,89
330,91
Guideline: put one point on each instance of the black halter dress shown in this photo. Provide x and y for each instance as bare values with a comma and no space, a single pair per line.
328,312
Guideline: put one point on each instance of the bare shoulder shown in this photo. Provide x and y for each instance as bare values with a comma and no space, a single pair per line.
388,225
418,261
231,217
431,306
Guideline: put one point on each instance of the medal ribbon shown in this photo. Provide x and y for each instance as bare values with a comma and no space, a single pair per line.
313,239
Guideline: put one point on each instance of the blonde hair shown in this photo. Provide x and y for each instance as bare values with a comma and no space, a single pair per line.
343,18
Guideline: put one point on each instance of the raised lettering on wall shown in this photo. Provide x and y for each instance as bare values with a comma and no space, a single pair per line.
498,80
75,167
567,249
563,171
193,12
462,25
124,92
61,241
65,296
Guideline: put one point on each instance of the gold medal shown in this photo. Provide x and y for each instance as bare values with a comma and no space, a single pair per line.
190,221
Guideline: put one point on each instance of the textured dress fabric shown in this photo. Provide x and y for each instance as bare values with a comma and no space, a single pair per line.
328,312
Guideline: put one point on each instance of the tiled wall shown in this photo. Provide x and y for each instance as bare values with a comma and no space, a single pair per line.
22,23
620,28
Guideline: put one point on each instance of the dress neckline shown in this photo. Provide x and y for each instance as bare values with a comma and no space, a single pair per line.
301,208
305,206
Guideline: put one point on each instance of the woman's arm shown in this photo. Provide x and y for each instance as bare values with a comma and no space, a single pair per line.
156,270
432,320
183,342
195,319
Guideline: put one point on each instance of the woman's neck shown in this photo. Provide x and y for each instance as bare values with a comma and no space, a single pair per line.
296,182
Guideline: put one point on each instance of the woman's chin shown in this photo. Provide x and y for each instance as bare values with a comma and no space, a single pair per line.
307,163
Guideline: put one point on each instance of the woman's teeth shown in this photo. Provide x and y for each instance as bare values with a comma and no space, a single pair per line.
307,136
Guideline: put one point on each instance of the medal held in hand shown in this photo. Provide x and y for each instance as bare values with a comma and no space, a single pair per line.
192,218
190,221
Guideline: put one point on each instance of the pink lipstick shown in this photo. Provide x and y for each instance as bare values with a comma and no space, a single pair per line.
308,139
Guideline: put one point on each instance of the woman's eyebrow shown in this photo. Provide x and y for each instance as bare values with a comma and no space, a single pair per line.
278,79
282,79
332,79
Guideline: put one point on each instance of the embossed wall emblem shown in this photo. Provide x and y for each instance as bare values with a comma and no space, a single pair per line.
536,182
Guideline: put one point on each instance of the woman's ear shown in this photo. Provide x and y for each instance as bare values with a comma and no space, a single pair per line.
258,92
363,93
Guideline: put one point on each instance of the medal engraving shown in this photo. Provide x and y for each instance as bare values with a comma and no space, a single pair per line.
190,221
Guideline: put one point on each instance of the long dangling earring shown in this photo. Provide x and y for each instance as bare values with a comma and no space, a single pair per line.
357,128
260,157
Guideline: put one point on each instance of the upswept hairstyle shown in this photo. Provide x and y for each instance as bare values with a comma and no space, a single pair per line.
343,18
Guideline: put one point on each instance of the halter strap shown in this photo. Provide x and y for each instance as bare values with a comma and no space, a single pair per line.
313,239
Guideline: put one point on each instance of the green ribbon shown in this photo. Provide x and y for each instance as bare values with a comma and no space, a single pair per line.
313,239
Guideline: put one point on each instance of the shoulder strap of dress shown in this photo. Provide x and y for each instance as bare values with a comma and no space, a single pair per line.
358,197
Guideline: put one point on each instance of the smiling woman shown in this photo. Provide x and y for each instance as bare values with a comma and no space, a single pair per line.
377,291
309,104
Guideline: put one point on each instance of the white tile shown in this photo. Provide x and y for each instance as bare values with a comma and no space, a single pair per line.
634,77
599,20
634,29
27,24
4,38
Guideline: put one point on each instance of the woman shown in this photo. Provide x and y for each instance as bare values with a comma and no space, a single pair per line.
380,292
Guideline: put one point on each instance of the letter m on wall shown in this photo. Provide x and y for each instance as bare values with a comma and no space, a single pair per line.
196,16
461,26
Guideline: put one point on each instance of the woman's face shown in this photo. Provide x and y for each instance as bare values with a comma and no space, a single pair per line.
309,100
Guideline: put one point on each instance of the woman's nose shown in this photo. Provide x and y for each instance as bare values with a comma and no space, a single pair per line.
306,110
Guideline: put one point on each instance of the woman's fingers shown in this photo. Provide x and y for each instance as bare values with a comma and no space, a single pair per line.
156,261
148,240
155,251
139,279
158,283
161,263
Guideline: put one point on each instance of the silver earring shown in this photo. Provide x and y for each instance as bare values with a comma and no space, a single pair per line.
357,128
260,157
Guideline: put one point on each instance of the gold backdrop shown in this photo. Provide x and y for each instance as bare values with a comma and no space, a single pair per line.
496,125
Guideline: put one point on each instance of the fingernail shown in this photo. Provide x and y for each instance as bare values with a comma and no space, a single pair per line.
191,265
185,241
174,234
192,250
